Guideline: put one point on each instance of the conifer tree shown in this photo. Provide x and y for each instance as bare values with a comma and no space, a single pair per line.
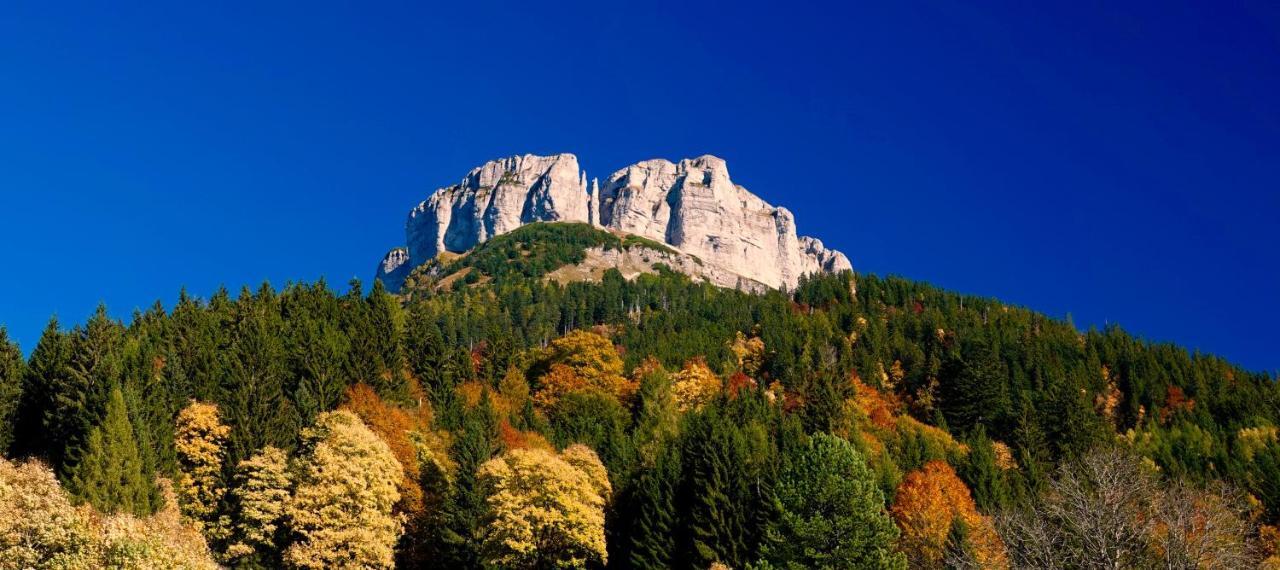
50,357
254,397
650,533
110,473
12,369
832,513
79,390
975,389
991,489
715,495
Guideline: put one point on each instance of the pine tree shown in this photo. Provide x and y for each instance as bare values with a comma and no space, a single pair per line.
110,474
12,370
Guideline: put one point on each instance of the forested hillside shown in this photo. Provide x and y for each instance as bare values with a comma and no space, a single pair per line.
507,422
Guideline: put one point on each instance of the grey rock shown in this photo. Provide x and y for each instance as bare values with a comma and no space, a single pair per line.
692,206
394,268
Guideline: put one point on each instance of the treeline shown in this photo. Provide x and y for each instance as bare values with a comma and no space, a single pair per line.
670,423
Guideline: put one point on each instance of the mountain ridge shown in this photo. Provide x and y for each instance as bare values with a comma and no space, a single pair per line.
692,206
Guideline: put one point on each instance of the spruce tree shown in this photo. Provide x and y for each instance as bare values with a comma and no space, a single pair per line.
975,389
254,398
650,533
716,518
79,390
991,490
12,369
50,357
110,473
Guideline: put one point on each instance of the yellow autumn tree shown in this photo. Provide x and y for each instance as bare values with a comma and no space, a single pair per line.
199,439
38,526
260,495
695,385
586,460
341,510
580,360
749,352
926,505
39,529
163,541
541,511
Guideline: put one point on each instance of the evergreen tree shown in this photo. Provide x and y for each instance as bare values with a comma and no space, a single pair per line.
653,515
720,493
975,389
254,398
990,487
832,512
12,370
47,362
110,474
79,390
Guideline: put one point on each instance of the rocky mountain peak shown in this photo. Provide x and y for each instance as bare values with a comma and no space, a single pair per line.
693,206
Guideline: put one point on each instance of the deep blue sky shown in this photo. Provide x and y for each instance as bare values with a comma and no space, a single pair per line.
1120,163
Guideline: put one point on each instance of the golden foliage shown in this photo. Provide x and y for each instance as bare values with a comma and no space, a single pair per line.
38,526
581,360
163,541
393,425
695,385
749,353
878,407
261,494
925,506
198,439
513,438
40,529
342,504
541,510
556,383
1249,441
586,460
1004,456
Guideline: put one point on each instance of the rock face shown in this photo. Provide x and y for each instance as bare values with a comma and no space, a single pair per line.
394,268
696,208
496,198
692,206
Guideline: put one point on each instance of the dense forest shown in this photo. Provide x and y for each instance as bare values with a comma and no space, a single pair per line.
508,422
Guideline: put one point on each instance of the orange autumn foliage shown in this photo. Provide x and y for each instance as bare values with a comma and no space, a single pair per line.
925,506
581,361
513,438
879,407
393,425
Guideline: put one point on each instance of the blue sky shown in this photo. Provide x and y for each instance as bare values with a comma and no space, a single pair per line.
1117,162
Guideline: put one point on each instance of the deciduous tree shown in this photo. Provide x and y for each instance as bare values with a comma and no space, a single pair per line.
341,510
542,512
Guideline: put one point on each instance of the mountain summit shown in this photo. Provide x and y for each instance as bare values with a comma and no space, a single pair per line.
692,206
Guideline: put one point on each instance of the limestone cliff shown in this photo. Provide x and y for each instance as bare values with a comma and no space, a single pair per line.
692,206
